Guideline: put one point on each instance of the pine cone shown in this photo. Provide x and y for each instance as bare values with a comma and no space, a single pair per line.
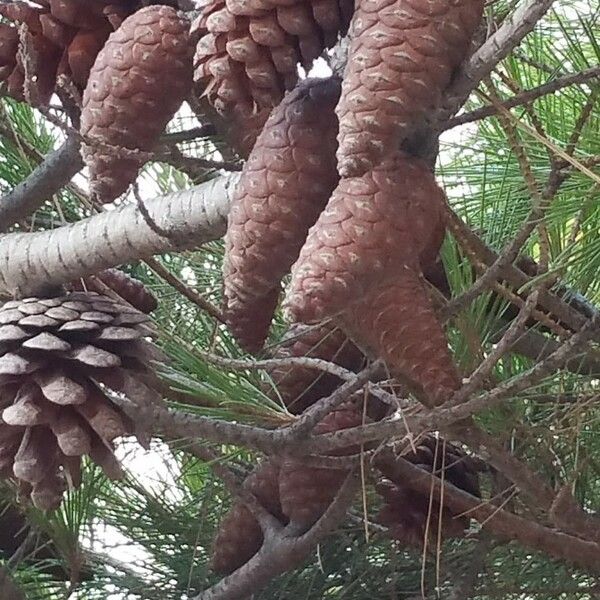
396,322
131,290
60,38
408,514
248,51
402,56
144,69
305,491
57,357
300,387
285,184
360,264
239,536
373,227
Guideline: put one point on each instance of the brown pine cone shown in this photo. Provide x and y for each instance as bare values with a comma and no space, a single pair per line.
57,357
239,536
59,38
300,387
144,69
131,290
248,52
402,56
409,514
285,184
396,322
376,225
305,491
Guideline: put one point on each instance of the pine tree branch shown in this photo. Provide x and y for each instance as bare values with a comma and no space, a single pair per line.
510,34
32,262
500,522
46,179
282,551
525,97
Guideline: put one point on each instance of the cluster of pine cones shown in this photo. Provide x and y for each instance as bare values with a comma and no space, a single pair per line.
327,194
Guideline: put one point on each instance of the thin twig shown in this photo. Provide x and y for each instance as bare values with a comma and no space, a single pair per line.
524,97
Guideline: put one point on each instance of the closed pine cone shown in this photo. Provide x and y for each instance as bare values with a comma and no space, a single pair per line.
306,491
285,184
409,514
361,265
145,68
396,321
57,357
239,536
60,38
131,290
248,52
402,56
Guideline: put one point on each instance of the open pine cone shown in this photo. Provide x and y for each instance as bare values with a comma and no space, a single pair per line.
58,358
409,514
248,52
54,38
145,68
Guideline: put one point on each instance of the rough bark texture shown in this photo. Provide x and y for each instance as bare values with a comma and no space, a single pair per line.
33,262
145,68
305,491
248,53
285,184
403,55
55,354
240,536
299,387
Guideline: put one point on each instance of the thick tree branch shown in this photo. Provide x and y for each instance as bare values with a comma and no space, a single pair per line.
506,525
46,179
32,262
282,551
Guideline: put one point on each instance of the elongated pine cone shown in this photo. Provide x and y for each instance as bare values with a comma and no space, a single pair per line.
409,514
361,264
402,56
56,38
145,69
299,387
239,536
286,183
396,322
131,290
248,52
306,491
57,358
374,226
